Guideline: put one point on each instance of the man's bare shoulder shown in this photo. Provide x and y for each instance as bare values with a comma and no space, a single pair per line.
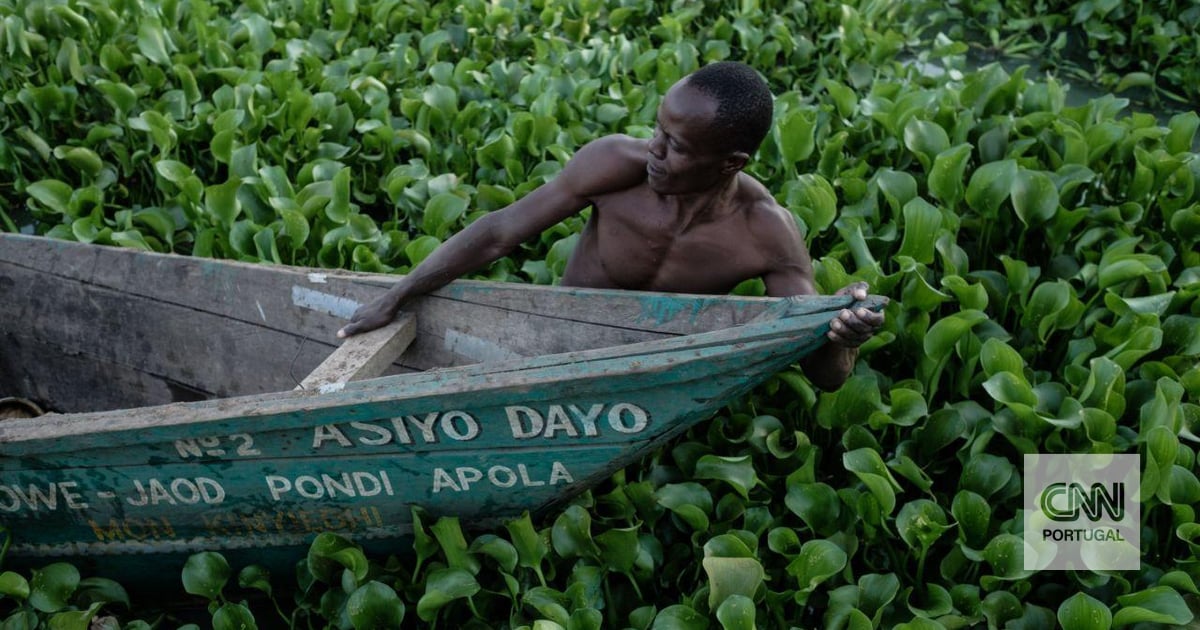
772,226
763,214
607,164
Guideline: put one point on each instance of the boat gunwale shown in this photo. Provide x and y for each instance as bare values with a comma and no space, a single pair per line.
17,436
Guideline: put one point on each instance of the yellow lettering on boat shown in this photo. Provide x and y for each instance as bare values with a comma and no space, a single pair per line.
130,528
292,521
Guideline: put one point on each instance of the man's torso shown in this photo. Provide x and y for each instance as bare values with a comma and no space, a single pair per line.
634,239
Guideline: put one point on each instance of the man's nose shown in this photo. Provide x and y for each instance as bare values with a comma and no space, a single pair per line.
657,145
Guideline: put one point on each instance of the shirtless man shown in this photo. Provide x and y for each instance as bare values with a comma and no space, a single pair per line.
674,213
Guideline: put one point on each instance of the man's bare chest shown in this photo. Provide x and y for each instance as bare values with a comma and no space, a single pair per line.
642,247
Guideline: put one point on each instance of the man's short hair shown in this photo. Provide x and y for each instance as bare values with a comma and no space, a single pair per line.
744,103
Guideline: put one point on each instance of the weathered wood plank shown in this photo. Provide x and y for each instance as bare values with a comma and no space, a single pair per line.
99,330
556,400
364,356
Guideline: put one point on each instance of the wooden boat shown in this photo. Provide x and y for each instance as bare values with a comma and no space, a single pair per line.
177,424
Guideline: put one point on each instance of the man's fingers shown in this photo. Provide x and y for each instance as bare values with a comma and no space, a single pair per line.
857,290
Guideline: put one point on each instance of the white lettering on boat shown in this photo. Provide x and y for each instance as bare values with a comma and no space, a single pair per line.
241,444
350,484
461,479
178,491
13,497
572,421
458,426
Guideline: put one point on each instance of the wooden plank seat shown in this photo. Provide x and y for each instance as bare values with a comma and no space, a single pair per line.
363,356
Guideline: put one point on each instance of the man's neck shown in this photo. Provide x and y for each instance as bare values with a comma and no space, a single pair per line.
704,206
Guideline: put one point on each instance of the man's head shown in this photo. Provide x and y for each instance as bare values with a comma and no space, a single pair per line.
744,104
709,124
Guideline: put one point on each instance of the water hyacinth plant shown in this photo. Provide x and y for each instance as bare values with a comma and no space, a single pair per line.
1041,256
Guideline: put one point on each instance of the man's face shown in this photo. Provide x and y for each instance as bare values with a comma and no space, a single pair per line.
683,157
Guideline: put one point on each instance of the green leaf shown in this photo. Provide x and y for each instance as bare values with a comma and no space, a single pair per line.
442,214
856,399
997,356
81,159
816,503
898,187
330,555
1034,197
987,475
549,603
152,42
990,185
74,619
1182,132
205,574
921,224
339,207
1010,389
926,139
255,577
973,514
812,199
1156,605
921,522
448,532
14,585
572,534
173,171
796,135
945,333
442,587
52,193
738,472
222,203
232,616
52,586
265,246
729,577
375,605
1053,306
946,176
531,547
1006,554
1084,612
737,612
496,548
420,248
868,466
679,617
442,98
689,501
817,561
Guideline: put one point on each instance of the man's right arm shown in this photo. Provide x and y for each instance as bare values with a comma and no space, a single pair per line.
604,165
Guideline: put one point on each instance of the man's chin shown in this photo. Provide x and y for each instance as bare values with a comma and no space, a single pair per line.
659,185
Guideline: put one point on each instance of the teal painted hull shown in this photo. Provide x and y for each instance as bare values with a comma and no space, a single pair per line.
258,475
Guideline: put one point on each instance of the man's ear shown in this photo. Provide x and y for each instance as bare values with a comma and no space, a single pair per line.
735,162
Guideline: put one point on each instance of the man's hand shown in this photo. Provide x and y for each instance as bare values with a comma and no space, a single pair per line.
853,327
380,312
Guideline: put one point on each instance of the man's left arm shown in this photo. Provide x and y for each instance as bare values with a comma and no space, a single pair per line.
790,273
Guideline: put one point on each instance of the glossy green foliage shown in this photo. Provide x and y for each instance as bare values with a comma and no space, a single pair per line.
1042,261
